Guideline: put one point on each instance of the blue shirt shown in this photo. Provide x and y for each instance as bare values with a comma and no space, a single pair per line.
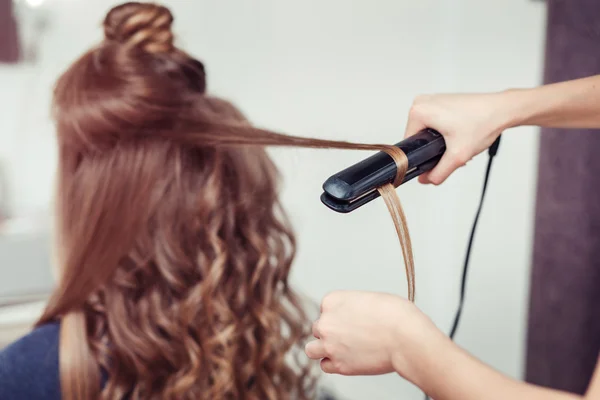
29,367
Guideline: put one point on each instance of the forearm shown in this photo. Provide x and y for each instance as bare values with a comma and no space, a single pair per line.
570,104
449,373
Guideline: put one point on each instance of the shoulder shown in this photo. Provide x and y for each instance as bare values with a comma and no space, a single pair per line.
29,367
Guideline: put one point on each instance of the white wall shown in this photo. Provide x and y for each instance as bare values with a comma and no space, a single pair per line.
347,70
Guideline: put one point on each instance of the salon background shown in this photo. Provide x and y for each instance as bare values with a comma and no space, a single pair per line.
340,70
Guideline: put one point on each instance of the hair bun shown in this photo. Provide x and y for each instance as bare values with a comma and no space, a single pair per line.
142,25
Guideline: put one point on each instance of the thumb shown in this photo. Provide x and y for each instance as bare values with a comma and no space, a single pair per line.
328,367
424,178
315,350
447,165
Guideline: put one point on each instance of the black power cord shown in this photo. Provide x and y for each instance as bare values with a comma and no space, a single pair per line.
492,151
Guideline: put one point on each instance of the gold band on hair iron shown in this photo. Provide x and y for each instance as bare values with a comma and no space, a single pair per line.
357,185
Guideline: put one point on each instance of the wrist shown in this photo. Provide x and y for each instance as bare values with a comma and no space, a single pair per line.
520,107
438,367
513,109
418,352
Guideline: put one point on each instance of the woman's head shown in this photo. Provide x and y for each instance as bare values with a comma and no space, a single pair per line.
173,250
174,253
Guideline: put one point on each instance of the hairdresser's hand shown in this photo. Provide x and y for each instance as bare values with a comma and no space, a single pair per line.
364,333
469,123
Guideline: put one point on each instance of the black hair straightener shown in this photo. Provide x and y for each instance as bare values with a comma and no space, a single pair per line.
357,185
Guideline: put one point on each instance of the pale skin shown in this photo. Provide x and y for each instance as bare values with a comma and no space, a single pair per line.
366,333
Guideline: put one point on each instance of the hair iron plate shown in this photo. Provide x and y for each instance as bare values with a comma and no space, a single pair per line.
357,185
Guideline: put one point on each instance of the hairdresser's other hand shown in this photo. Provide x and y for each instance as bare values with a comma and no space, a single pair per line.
469,123
365,333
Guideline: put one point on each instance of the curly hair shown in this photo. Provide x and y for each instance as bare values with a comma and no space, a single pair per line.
173,249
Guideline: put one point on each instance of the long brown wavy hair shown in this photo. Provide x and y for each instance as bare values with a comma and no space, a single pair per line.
173,249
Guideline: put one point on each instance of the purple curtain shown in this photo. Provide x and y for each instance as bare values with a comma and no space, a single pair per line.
9,43
564,315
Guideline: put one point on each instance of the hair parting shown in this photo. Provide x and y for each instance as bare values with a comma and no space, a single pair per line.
172,248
